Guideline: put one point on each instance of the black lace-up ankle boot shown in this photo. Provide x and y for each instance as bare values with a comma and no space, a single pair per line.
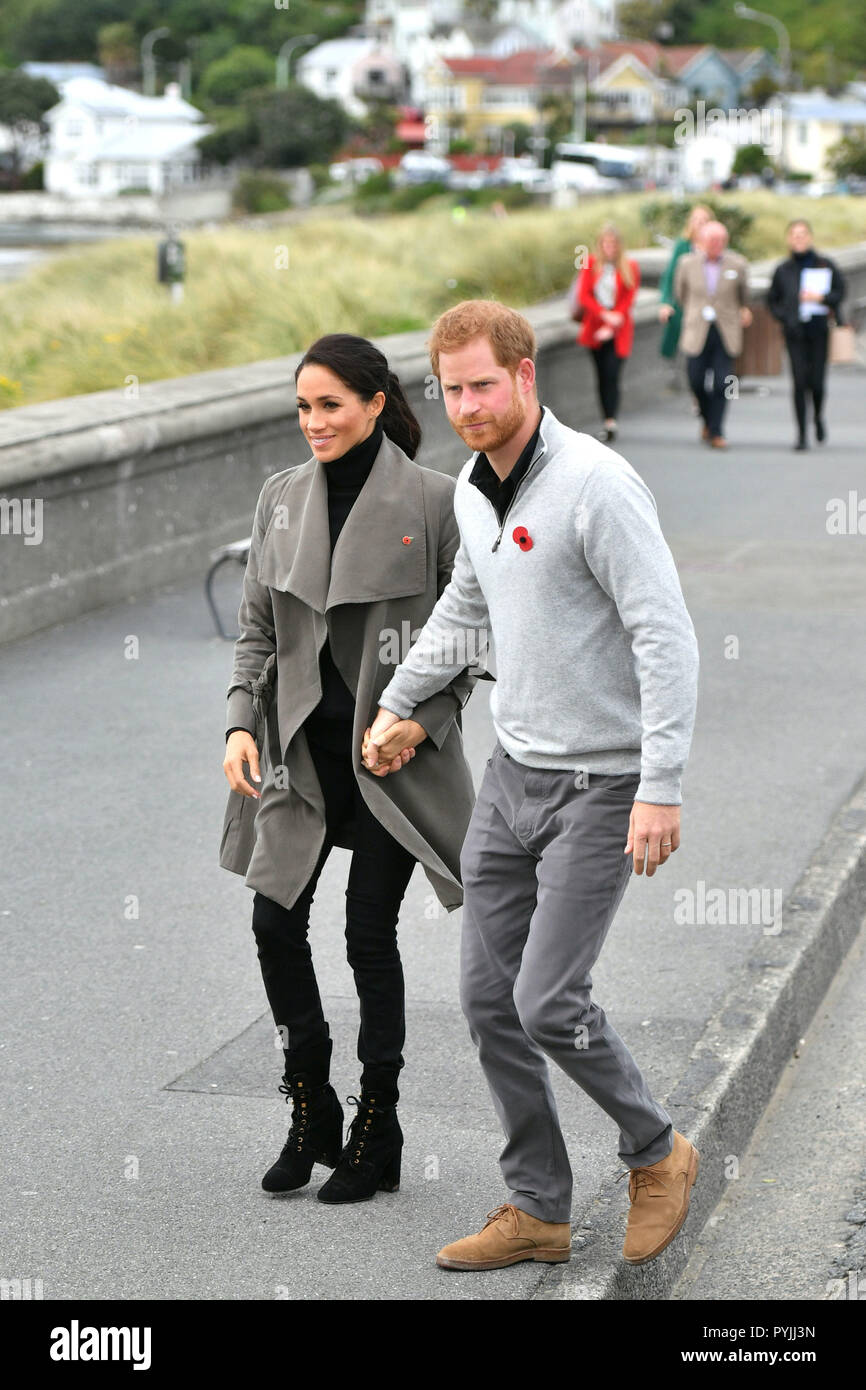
316,1131
370,1161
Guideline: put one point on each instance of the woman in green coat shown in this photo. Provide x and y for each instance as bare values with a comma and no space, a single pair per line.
670,313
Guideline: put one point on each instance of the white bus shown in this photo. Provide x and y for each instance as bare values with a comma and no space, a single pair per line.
594,167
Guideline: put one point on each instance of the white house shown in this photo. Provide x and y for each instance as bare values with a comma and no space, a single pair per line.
556,23
563,23
422,32
31,143
352,71
105,138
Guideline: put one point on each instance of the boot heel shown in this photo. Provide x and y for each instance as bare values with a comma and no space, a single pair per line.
390,1179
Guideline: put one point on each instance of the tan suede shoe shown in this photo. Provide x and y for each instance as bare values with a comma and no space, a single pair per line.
659,1195
509,1235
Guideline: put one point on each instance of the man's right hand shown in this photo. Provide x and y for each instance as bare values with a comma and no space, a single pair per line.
240,749
665,312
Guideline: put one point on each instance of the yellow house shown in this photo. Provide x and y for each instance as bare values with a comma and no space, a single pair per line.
624,90
811,124
474,98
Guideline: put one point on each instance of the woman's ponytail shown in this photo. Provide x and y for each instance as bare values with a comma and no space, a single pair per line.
364,369
398,418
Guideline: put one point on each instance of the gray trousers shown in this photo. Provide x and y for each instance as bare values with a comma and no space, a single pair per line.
543,873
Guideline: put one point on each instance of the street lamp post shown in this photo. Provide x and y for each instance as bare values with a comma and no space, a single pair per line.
148,66
284,56
746,12
185,71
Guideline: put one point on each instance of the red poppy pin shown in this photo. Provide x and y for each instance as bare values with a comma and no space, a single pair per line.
407,540
522,537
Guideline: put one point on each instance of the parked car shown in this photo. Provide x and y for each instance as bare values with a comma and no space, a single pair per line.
523,172
355,170
468,178
821,188
419,166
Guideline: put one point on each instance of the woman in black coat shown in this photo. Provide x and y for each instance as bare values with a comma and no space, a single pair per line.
804,315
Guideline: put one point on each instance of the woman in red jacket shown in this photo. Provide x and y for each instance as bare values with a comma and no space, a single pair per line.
605,292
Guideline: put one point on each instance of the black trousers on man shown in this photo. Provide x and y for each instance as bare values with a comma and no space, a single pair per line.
714,358
807,350
378,877
607,370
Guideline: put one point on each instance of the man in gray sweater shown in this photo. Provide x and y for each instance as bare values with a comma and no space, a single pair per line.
563,564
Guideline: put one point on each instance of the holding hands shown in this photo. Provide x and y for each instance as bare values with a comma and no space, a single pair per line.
390,742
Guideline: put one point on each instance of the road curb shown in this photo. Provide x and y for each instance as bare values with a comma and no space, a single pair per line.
735,1065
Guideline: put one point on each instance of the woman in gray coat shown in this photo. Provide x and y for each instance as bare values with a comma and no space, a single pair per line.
349,554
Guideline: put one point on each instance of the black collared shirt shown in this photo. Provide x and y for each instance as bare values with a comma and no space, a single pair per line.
487,481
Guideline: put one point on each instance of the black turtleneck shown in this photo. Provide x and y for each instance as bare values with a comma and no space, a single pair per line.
805,258
345,477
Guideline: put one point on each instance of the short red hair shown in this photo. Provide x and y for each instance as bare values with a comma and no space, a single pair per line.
509,334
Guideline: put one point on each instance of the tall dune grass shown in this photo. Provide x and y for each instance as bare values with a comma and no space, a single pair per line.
88,319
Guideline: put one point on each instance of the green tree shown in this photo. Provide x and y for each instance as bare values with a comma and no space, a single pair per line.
23,103
278,130
69,29
522,134
558,111
377,128
235,136
760,91
295,127
118,53
54,30
749,159
639,19
243,70
480,9
848,157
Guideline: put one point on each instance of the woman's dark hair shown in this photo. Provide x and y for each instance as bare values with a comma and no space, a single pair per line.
364,369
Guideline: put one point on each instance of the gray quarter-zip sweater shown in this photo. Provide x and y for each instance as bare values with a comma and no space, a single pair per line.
596,655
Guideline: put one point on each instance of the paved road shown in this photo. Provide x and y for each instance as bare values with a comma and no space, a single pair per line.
792,1222
140,1077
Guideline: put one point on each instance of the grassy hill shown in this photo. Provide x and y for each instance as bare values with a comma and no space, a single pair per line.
87,320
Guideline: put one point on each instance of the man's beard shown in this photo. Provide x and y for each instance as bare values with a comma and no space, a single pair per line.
498,431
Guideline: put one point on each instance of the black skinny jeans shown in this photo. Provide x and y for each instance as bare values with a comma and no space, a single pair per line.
378,878
807,350
607,370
